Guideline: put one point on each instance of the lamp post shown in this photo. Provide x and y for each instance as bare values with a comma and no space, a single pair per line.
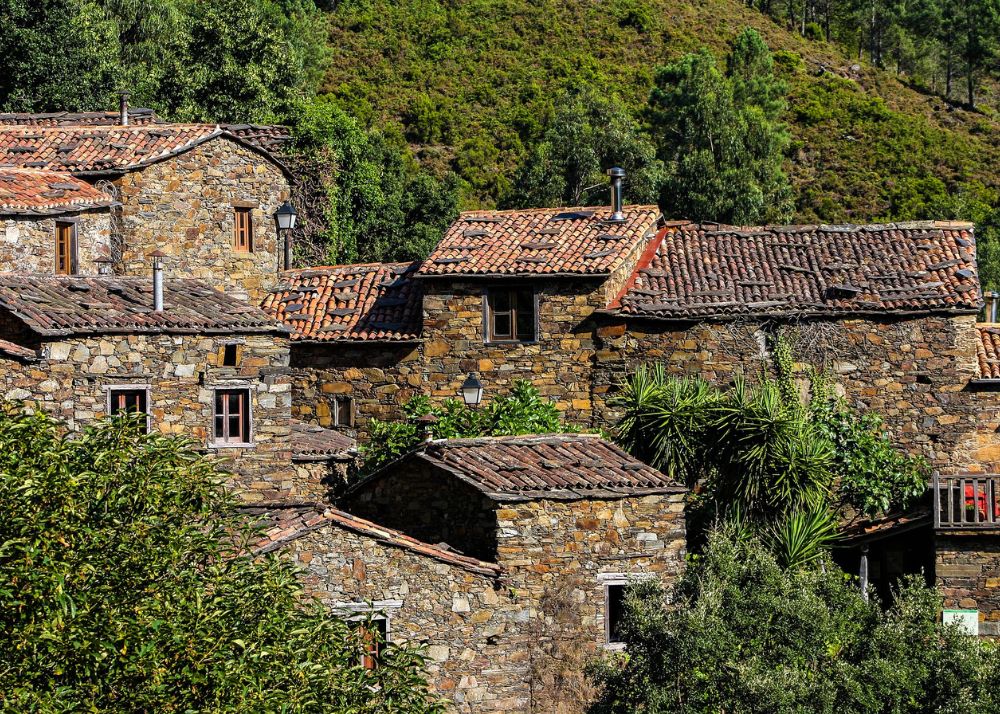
471,391
286,222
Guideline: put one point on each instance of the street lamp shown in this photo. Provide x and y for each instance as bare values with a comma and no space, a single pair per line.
471,391
286,222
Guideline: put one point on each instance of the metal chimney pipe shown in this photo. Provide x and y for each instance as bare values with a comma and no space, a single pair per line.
994,306
123,108
157,281
617,175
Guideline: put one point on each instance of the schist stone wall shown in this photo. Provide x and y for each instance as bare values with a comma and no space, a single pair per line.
915,372
29,244
467,621
185,207
968,576
557,555
180,372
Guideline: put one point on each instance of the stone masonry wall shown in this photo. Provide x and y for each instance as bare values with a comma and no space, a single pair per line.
180,372
184,206
29,244
914,372
968,576
430,505
555,553
470,625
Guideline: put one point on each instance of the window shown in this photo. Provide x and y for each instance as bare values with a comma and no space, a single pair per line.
129,400
614,610
344,413
243,236
65,248
232,416
510,315
374,634
230,355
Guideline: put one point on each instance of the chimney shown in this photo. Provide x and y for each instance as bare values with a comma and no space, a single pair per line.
617,175
991,311
123,108
157,257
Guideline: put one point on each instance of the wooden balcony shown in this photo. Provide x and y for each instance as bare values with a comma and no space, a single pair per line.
966,502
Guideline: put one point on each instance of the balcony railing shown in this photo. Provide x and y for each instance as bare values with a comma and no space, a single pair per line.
966,501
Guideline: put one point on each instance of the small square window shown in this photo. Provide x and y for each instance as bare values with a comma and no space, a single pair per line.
243,230
344,413
129,400
510,315
374,635
230,355
66,248
232,416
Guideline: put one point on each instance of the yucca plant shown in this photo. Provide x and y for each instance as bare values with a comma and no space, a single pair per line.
802,538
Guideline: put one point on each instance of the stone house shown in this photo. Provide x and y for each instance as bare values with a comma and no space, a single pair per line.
207,367
536,538
203,196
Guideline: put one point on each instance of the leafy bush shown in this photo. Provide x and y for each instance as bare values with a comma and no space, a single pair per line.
522,412
125,586
740,633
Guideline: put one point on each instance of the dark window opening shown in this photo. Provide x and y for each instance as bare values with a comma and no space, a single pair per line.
243,236
66,249
615,611
510,315
129,401
229,355
374,634
344,415
232,416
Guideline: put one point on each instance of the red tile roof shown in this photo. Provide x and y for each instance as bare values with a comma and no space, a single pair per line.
11,349
44,193
282,525
102,149
137,116
859,527
566,466
369,302
988,350
314,443
712,271
53,305
540,241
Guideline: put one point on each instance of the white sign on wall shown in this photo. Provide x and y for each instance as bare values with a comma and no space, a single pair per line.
967,620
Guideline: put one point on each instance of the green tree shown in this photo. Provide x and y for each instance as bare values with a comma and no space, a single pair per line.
589,133
720,136
739,633
125,585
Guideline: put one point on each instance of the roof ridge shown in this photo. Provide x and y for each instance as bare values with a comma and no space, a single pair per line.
510,438
555,209
804,227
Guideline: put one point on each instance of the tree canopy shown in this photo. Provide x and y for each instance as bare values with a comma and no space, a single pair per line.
126,585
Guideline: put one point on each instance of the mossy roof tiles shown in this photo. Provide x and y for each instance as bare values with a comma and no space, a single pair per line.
27,192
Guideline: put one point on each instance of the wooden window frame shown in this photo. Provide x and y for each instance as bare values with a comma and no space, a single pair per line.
144,389
489,334
614,580
338,401
246,416
243,229
72,259
358,614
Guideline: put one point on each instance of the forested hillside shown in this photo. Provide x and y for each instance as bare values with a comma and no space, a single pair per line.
475,81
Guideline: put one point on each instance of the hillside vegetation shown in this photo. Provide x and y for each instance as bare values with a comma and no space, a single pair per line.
473,84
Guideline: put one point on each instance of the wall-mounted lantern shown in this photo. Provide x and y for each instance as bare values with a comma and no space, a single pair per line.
471,391
286,217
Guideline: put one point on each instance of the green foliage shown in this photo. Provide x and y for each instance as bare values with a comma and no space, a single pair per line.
382,205
523,411
590,133
721,138
872,474
803,538
743,634
125,586
226,60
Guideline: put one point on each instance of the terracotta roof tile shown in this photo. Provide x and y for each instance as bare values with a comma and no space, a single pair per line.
314,443
711,271
860,527
369,302
542,466
99,149
988,350
53,305
11,349
42,193
137,116
540,241
285,524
